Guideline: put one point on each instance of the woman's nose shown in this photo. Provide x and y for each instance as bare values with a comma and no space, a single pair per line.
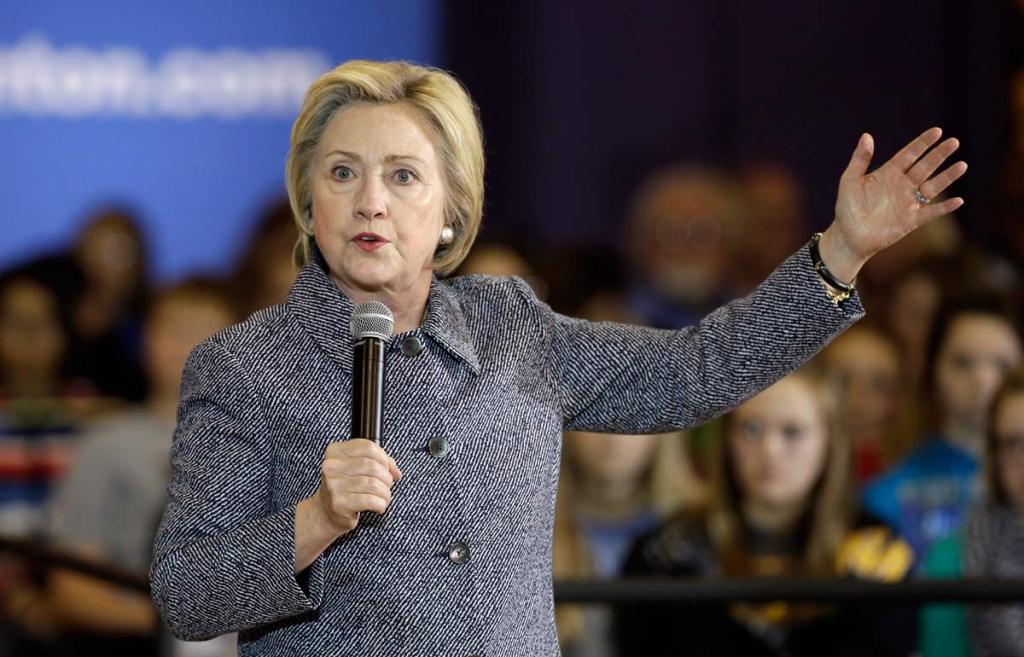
371,199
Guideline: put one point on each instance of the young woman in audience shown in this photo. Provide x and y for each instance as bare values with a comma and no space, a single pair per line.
988,546
108,505
612,489
863,364
974,343
781,505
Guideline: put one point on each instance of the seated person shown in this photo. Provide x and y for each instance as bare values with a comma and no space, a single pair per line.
927,495
989,545
108,507
781,505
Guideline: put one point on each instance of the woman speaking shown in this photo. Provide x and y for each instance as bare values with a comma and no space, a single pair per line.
437,541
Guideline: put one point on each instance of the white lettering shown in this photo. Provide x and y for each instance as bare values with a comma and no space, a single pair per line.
39,80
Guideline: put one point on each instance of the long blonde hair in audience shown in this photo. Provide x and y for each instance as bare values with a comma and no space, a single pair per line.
670,484
830,512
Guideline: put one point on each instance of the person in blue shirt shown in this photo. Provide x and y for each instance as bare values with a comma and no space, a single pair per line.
975,341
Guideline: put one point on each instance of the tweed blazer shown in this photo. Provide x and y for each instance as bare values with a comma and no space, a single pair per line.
476,401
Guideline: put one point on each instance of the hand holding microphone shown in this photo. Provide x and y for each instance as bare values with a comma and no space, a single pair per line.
357,474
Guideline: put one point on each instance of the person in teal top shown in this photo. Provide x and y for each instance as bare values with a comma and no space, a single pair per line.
926,497
987,546
944,626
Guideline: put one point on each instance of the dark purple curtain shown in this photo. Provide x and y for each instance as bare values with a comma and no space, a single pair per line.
580,99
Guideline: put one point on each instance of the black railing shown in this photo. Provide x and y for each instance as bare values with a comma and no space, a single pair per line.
652,590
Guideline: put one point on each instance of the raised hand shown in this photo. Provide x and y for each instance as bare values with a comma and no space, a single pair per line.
875,210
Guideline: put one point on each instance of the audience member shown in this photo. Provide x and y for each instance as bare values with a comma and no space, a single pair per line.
681,238
612,489
781,505
109,256
863,364
108,506
776,224
41,406
987,546
266,268
975,341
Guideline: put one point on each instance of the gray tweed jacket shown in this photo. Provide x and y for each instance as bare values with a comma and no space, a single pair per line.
476,402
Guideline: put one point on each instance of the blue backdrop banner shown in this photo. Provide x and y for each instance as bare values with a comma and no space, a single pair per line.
181,111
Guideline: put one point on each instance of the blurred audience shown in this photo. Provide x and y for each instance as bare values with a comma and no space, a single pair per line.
974,342
503,258
864,366
265,270
989,544
681,241
776,224
612,489
578,275
108,506
109,261
782,504
939,238
41,406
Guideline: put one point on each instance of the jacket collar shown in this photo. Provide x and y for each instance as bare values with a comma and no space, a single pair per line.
324,311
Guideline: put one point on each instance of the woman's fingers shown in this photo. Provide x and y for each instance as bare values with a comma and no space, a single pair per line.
935,210
935,186
930,163
357,476
861,159
913,151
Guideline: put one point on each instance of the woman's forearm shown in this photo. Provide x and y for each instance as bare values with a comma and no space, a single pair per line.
90,604
312,534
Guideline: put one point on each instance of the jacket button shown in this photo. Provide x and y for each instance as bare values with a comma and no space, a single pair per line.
458,552
439,447
411,346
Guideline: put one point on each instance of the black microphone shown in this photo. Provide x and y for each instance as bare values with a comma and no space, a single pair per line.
370,326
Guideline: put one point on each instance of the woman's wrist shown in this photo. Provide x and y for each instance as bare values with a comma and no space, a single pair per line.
841,260
313,533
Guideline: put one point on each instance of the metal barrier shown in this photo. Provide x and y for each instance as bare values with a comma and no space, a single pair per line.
654,590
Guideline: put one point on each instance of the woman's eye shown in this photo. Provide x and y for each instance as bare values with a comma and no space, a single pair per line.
962,362
404,176
752,430
792,431
343,173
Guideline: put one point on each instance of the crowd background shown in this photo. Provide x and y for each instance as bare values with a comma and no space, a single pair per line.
645,179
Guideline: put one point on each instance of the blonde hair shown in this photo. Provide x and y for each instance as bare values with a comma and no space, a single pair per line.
670,484
829,516
445,105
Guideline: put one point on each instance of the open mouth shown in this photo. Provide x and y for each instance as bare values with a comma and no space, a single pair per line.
369,241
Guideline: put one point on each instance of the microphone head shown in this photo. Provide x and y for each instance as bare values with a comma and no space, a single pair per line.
371,319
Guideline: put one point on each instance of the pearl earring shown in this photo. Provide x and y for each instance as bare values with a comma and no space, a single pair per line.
447,235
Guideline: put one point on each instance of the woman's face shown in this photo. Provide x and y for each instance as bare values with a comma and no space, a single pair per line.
779,443
1009,431
378,199
31,336
173,329
977,353
866,370
611,459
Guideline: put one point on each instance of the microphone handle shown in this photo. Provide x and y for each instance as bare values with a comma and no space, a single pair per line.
368,389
